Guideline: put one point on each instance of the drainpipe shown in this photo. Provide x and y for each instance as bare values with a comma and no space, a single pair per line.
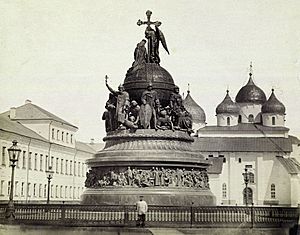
27,171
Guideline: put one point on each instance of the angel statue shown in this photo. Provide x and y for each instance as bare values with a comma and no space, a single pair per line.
154,37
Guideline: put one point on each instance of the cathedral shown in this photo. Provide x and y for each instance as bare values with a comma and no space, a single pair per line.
250,140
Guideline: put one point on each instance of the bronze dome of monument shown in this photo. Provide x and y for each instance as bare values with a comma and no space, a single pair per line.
137,81
250,93
273,105
198,114
227,106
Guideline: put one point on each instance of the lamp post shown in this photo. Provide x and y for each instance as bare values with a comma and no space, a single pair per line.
246,180
49,174
14,153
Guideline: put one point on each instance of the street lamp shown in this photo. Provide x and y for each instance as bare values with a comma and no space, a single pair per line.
49,174
14,153
246,180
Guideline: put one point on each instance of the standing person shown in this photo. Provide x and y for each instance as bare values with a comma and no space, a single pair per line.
147,112
142,208
122,102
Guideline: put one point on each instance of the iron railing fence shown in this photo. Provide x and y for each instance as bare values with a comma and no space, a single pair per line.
168,216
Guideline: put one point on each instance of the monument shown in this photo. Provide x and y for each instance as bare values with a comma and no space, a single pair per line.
148,143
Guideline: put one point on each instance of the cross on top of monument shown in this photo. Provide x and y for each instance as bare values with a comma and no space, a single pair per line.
149,22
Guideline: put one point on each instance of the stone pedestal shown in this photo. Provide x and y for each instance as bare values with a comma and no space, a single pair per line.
159,165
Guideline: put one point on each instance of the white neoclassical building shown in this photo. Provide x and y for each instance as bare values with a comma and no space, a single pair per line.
45,140
250,133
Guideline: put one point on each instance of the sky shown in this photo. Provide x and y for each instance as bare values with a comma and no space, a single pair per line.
56,53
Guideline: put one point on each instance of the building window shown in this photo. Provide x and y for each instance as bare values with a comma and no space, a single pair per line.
273,120
22,189
224,160
75,168
82,171
61,191
29,161
57,134
67,137
24,160
71,167
16,188
240,160
66,167
71,139
52,190
210,155
52,161
61,166
41,162
8,188
40,190
248,166
34,190
70,192
78,168
46,163
2,188
273,193
62,136
56,165
45,190
3,156
251,178
66,191
53,135
35,161
28,190
251,118
224,191
56,191
228,121
240,119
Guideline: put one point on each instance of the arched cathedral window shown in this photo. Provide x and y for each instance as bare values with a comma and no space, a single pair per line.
251,118
251,178
228,121
273,120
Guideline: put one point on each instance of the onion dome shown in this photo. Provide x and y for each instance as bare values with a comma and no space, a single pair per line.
273,105
250,93
227,106
194,109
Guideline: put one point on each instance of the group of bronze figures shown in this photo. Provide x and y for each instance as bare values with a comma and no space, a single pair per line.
163,177
121,113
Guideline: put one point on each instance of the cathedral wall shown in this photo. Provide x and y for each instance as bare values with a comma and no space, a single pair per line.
247,109
272,172
267,119
222,119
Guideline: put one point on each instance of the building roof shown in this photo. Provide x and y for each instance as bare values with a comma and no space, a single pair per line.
6,124
194,109
84,147
31,111
97,146
290,164
294,139
250,93
227,106
242,144
273,105
243,127
217,165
